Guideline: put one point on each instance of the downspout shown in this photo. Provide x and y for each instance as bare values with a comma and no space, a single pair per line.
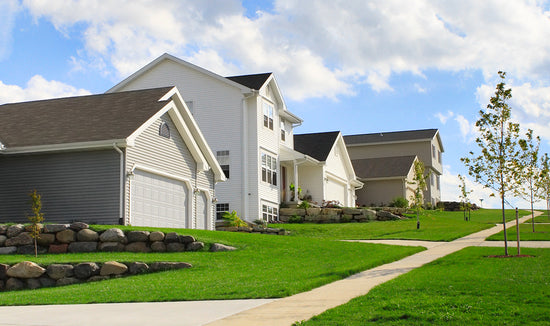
121,190
195,194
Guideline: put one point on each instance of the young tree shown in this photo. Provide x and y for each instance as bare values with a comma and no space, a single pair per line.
543,182
530,170
36,217
419,183
496,167
464,196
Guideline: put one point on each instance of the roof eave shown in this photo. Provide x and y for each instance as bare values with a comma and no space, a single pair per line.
102,144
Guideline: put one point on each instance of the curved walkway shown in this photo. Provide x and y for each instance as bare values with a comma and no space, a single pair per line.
274,312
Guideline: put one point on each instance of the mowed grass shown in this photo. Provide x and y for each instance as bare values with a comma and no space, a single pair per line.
465,288
264,266
434,226
542,233
544,218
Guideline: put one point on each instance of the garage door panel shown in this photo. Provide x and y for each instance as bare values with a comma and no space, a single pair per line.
158,201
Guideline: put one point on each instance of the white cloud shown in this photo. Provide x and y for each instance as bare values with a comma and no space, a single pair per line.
316,48
8,10
468,129
444,117
37,88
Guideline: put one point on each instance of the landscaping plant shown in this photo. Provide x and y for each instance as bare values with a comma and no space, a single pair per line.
419,182
233,219
36,218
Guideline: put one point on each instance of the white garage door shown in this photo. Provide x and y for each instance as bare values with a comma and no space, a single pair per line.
158,201
336,191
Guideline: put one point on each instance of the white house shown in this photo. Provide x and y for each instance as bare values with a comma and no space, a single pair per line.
124,158
246,123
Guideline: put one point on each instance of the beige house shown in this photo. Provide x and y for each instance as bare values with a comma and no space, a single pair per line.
384,162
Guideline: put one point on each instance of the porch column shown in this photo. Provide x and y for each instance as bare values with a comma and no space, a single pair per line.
296,184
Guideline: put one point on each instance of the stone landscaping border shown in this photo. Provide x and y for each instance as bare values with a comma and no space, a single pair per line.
341,215
79,238
29,275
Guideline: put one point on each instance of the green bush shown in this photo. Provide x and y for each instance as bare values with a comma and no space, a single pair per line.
233,219
304,204
399,202
296,219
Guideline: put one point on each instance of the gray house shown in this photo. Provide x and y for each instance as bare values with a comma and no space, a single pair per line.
133,157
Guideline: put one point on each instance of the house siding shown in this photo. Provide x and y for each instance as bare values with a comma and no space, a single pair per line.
75,186
170,156
217,109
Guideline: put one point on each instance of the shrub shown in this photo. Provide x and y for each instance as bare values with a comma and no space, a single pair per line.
399,202
331,204
295,219
233,219
304,204
36,218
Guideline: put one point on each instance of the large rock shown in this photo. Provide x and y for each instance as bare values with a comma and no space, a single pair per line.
33,283
175,247
156,236
13,284
86,270
77,226
194,246
113,235
3,271
158,246
87,235
67,281
113,268
3,229
66,236
8,250
22,239
314,211
386,216
137,268
58,248
331,211
137,236
185,239
171,237
45,239
3,239
85,246
292,211
98,278
137,247
351,211
370,214
166,266
59,271
46,281
111,246
25,269
14,230
216,247
54,228
29,250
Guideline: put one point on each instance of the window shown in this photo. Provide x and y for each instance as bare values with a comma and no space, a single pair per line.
269,213
283,131
439,156
433,151
220,209
432,179
269,169
268,115
438,183
164,130
223,160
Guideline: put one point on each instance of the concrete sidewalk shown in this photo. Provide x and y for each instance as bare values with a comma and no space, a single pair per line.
305,305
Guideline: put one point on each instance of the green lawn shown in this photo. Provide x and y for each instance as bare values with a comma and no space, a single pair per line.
265,266
542,233
434,226
544,218
465,288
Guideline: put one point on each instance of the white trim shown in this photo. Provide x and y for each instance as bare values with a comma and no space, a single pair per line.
103,144
211,222
168,175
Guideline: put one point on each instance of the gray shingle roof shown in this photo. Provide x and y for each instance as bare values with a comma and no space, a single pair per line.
393,136
78,119
383,167
316,145
255,81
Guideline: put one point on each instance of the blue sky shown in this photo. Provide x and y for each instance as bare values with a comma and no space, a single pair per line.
354,66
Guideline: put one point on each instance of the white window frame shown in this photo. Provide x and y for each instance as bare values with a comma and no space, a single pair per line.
283,131
224,161
268,110
269,169
270,213
219,212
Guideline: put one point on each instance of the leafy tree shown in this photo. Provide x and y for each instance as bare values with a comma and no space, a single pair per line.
420,184
530,171
36,218
496,167
464,196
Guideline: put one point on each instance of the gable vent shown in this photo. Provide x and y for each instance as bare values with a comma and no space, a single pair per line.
164,130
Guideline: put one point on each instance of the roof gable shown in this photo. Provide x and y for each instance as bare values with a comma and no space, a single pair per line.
316,145
89,118
255,81
383,167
